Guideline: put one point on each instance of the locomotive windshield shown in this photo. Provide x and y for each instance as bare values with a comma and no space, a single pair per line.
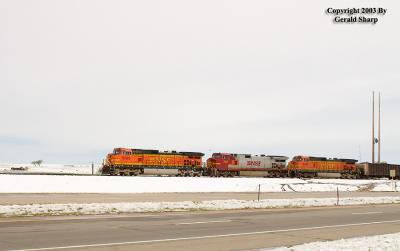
297,158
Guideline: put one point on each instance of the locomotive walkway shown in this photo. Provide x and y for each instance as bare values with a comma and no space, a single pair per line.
43,198
222,230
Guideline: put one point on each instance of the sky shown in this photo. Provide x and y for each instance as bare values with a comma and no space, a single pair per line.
79,78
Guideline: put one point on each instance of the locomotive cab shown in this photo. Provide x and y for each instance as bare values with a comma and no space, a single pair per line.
220,162
117,156
296,160
119,151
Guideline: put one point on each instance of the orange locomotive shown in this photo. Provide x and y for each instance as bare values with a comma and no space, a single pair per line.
304,166
125,161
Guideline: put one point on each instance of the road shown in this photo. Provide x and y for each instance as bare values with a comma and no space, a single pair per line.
31,198
217,230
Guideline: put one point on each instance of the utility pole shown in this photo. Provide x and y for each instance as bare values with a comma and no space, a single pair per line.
373,127
379,127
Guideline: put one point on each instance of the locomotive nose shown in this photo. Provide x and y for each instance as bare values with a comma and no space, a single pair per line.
211,162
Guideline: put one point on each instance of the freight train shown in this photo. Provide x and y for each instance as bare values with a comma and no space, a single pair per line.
126,161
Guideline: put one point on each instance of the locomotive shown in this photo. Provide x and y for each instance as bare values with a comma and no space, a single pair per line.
309,167
125,161
232,164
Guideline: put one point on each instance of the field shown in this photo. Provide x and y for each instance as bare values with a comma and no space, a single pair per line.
18,168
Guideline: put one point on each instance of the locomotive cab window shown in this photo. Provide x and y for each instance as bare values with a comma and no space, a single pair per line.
297,158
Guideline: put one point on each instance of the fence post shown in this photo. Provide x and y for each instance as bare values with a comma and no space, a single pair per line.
394,185
259,188
337,196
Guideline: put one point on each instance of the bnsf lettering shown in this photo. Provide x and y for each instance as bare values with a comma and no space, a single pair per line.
254,163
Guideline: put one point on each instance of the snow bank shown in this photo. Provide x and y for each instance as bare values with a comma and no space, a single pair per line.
370,243
127,184
103,208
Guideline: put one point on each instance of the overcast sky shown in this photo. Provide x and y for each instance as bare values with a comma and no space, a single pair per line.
79,78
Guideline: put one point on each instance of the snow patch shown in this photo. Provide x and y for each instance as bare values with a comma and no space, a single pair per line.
387,242
138,207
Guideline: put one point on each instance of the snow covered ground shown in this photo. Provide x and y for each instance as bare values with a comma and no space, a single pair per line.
387,242
49,168
128,184
104,208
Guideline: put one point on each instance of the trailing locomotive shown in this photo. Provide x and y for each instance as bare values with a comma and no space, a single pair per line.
125,161
304,166
232,164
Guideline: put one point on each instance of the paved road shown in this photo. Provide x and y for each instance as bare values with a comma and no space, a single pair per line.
20,199
222,230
